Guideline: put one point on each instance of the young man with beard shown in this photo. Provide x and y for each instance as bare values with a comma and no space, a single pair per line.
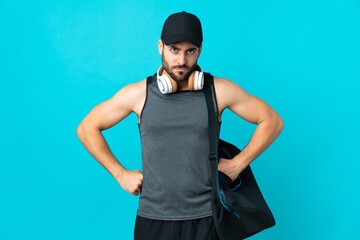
175,186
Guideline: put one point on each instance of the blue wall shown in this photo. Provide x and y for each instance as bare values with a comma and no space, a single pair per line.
59,59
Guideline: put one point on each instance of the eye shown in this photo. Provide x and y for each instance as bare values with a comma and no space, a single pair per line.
173,49
191,51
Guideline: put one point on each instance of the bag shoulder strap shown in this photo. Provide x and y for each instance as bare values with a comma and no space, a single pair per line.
214,130
213,113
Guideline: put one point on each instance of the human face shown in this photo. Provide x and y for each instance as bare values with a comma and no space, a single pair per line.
179,59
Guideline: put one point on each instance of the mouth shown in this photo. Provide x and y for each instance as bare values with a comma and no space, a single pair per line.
181,69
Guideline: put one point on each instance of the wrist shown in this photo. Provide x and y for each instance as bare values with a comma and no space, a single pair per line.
119,174
240,162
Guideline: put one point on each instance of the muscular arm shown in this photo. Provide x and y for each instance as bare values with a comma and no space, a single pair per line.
103,116
253,110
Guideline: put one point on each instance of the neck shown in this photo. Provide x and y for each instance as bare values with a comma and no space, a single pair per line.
183,85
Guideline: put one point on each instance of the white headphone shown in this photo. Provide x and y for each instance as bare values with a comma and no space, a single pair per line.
168,85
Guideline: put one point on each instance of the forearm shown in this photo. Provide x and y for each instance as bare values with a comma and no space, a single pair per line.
95,143
265,134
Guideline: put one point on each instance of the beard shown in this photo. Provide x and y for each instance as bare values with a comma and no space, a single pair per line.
182,75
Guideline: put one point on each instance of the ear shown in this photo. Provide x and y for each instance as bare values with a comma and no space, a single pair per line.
160,45
200,50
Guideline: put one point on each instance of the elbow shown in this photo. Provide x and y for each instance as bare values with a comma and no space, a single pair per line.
276,123
279,124
79,131
84,128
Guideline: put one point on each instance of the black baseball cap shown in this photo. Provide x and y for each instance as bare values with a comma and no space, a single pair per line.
182,26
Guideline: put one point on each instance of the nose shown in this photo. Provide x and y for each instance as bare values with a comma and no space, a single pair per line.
182,59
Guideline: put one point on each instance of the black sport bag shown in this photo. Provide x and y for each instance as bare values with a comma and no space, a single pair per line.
239,209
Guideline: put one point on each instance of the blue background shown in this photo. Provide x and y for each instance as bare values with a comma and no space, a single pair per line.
59,59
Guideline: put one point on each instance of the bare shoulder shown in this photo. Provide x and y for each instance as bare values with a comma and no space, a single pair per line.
227,91
249,107
112,111
139,96
134,94
136,88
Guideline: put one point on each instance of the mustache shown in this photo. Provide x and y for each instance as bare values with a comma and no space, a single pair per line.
182,67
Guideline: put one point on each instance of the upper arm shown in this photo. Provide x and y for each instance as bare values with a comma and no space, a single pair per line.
243,104
115,109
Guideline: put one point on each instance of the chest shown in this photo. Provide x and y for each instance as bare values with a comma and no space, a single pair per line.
171,110
182,110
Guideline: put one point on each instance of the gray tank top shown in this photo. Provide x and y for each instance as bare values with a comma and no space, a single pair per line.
175,155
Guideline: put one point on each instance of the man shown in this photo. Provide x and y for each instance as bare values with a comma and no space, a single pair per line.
175,188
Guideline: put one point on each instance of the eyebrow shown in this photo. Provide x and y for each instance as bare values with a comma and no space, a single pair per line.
173,46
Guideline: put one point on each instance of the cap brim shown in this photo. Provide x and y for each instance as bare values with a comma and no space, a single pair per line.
170,39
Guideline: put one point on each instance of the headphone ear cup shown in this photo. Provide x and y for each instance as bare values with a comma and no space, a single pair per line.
199,80
164,84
